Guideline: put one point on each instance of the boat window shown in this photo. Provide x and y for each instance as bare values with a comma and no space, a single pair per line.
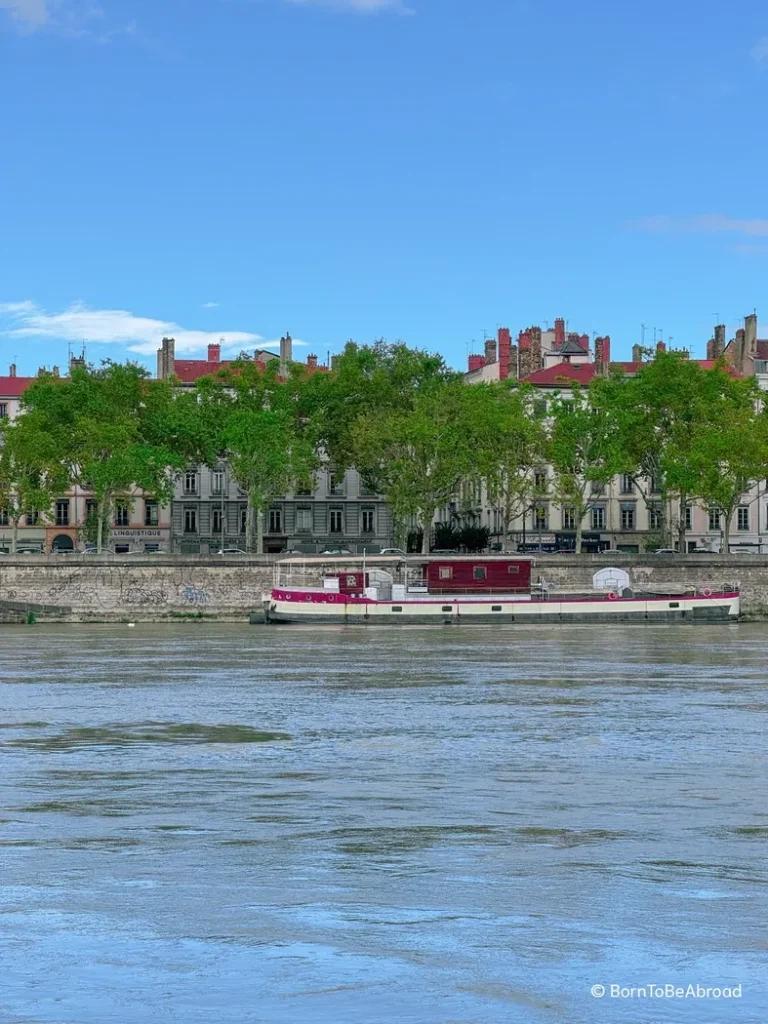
479,572
351,581
674,604
513,568
445,572
496,608
447,607
397,608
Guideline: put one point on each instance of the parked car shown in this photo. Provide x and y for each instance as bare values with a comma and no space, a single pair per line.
444,551
393,551
665,551
231,551
337,551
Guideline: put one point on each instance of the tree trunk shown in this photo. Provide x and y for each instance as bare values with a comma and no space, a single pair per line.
681,523
426,529
249,510
579,531
726,542
15,535
100,511
259,531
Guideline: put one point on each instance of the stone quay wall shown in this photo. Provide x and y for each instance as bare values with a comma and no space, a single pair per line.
164,588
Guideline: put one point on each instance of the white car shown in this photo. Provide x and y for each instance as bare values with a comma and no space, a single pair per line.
231,551
393,551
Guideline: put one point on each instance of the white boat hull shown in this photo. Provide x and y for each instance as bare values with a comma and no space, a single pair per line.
311,607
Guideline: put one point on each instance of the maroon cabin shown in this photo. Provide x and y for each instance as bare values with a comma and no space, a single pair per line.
498,575
352,582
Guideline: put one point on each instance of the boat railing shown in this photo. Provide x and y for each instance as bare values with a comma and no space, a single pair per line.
546,590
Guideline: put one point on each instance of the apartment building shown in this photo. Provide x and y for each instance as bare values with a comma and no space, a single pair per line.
209,508
620,516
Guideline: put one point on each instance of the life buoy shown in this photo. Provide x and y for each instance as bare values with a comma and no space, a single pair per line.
287,597
308,597
706,592
612,595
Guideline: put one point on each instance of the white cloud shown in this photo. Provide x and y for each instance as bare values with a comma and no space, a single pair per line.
760,50
360,6
706,223
210,305
138,334
31,13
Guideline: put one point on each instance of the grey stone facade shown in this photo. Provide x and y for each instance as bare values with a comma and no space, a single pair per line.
209,508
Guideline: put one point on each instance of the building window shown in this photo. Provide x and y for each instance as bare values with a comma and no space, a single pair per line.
627,484
540,517
596,487
540,481
217,482
479,572
122,513
335,483
654,517
742,517
714,519
304,491
33,518
368,520
628,517
4,519
3,410
337,520
598,517
190,520
304,520
569,518
243,519
190,482
275,520
688,517
62,512
151,513
217,520
446,572
366,490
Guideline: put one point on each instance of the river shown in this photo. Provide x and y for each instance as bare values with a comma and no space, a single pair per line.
441,825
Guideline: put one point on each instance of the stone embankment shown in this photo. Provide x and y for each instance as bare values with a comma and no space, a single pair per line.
166,588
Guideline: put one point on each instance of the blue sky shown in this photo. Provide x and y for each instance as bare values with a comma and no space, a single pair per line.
421,170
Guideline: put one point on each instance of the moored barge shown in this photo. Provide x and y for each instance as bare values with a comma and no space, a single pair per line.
471,589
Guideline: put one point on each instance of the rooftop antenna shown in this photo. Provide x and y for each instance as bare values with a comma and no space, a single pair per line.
642,334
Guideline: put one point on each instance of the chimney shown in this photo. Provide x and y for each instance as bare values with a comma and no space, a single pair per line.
750,330
286,352
335,362
637,353
602,354
166,358
711,349
12,370
661,346
490,351
312,361
214,353
559,332
476,362
584,342
55,371
536,362
719,345
505,344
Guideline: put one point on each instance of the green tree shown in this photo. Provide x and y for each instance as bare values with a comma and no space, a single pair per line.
580,451
511,445
109,430
31,474
418,455
260,429
730,451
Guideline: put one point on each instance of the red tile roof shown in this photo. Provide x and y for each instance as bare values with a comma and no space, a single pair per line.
582,373
12,387
190,370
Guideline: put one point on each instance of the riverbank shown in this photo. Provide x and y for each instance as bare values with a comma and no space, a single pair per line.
159,588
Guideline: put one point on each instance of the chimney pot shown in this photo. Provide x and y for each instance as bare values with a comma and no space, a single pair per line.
12,370
214,353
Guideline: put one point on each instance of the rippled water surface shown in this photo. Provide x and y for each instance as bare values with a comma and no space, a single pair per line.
441,825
